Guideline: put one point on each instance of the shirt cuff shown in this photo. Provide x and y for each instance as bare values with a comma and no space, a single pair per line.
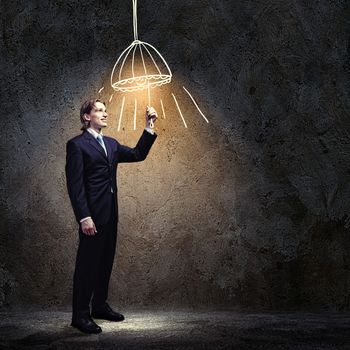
151,131
88,217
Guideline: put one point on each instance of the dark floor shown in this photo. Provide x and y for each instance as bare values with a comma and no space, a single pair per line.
147,329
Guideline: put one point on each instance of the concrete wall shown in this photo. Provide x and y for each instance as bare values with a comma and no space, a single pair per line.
251,209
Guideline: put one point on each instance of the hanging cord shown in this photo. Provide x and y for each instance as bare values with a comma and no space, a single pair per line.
134,18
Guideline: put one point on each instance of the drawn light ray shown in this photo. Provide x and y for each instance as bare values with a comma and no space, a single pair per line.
135,108
154,72
121,113
178,107
194,102
161,103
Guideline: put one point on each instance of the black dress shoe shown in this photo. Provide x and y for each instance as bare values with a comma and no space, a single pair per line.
106,313
86,325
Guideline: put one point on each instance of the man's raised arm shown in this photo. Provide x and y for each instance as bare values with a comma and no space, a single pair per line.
140,151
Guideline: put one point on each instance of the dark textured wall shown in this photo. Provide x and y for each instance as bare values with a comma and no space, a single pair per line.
251,209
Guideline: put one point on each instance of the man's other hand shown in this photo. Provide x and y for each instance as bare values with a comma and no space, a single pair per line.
88,227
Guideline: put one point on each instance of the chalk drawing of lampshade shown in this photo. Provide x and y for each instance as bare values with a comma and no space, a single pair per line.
140,66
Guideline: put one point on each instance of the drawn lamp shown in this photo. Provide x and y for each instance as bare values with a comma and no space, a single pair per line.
140,66
154,70
125,76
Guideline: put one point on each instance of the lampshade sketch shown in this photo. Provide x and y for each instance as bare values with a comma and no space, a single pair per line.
139,67
123,81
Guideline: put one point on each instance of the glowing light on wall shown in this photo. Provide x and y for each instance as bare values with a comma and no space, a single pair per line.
139,67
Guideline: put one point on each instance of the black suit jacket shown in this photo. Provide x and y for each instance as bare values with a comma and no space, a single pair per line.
91,175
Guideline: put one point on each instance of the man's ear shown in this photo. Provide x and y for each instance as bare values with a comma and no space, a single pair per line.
86,117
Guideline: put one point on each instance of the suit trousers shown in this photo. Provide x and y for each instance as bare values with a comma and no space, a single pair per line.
93,266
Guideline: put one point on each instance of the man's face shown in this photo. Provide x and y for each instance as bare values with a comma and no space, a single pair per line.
98,116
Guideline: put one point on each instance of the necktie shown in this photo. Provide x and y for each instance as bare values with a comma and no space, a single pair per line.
100,141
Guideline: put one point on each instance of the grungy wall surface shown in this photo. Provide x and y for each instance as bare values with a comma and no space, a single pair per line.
251,209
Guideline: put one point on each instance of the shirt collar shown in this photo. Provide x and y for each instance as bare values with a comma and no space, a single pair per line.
93,132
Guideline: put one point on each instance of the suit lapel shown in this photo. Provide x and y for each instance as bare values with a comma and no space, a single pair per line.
94,143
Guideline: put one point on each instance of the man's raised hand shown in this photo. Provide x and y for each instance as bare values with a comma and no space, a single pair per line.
151,116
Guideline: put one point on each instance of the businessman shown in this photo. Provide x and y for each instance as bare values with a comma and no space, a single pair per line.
91,167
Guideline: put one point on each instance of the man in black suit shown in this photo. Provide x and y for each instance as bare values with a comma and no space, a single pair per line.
91,167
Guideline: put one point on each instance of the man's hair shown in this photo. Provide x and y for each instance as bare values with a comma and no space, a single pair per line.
87,108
